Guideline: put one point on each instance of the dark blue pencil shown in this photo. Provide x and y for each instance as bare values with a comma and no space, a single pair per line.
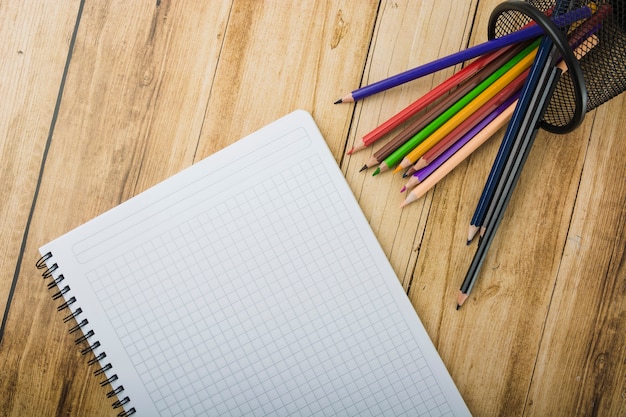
526,138
510,136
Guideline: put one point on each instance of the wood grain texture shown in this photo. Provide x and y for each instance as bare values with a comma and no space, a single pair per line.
404,37
583,351
35,40
132,64
309,50
153,87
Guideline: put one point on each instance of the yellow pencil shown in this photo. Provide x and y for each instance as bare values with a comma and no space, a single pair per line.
467,111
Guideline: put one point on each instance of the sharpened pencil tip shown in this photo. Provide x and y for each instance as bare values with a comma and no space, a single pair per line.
376,172
398,169
363,168
460,299
350,151
339,101
471,232
403,189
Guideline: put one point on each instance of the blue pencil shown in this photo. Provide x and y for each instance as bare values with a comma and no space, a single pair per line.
521,35
510,136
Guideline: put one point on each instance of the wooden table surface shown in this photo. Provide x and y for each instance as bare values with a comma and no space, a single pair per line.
103,99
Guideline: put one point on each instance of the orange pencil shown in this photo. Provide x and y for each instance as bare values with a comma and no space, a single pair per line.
423,187
428,146
495,88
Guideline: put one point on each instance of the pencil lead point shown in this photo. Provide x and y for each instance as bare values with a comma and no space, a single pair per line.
398,169
471,233
405,174
460,299
403,189
350,151
339,101
363,168
376,172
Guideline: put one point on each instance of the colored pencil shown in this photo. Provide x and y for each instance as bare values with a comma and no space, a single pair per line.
510,136
452,117
426,100
476,110
433,153
421,174
459,156
445,103
543,82
508,142
521,35
533,117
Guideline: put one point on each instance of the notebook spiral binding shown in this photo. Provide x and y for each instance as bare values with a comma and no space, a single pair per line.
51,272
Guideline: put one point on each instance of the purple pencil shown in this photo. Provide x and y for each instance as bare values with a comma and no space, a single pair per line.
521,35
421,174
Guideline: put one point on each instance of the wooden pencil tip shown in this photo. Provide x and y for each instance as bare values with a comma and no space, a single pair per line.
409,199
471,233
363,168
420,164
345,99
350,151
358,147
403,189
460,299
376,172
398,169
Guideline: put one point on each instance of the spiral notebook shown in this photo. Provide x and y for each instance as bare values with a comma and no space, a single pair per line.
249,284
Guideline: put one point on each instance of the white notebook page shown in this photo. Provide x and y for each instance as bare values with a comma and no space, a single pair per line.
251,284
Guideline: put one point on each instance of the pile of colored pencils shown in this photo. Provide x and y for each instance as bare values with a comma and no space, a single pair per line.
510,82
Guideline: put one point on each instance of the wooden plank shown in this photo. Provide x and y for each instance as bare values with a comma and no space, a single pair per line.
132,111
491,344
405,37
310,50
34,47
581,365
145,79
155,86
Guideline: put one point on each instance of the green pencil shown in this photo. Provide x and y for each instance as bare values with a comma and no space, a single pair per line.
420,136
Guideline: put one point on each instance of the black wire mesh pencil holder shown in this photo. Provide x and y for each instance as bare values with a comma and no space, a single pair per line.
598,76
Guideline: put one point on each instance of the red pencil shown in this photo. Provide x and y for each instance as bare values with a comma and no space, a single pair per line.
427,99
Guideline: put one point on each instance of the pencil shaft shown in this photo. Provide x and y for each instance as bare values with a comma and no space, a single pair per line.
423,173
517,147
511,181
528,33
512,130
430,97
476,113
490,86
527,140
445,103
461,155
